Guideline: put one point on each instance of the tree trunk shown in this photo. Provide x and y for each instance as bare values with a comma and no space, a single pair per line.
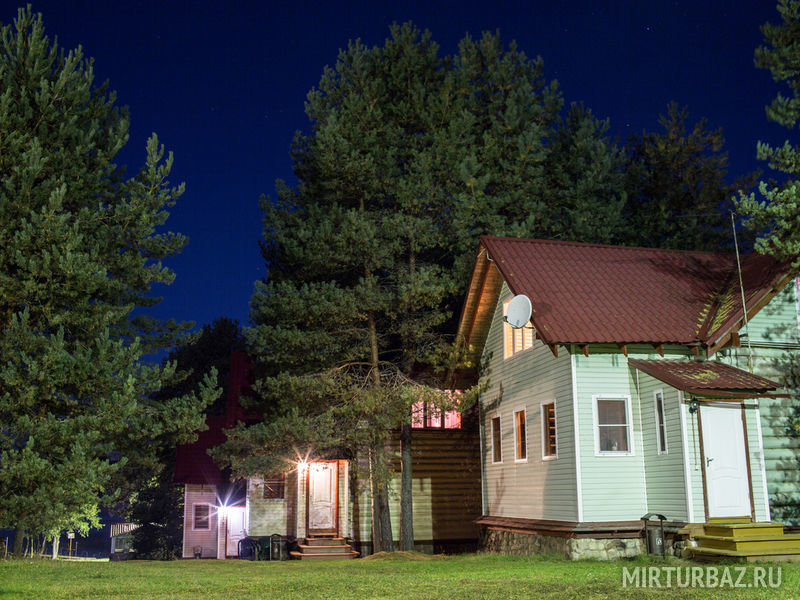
406,474
376,509
381,500
387,543
19,537
56,540
406,490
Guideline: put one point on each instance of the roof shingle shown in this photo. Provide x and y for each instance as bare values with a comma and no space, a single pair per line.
592,293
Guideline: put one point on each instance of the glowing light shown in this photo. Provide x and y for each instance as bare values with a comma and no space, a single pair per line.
302,466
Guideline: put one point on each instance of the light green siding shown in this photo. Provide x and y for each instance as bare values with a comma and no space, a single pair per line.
596,487
694,465
271,515
605,372
756,472
536,488
777,321
773,335
664,471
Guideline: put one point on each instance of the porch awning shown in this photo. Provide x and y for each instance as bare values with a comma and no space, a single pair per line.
710,379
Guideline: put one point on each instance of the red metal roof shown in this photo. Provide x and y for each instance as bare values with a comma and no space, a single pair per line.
592,293
709,378
192,462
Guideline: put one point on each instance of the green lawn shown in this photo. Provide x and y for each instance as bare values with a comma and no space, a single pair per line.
467,576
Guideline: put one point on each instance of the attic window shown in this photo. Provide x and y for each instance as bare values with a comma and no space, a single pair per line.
515,340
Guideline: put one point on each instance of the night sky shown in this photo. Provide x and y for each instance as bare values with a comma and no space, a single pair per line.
223,84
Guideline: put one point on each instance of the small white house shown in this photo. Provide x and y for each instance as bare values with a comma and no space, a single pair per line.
329,497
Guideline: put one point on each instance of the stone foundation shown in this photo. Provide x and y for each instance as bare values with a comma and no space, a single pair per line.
525,544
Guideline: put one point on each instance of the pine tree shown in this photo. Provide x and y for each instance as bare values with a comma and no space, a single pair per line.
79,251
678,193
157,504
777,214
411,157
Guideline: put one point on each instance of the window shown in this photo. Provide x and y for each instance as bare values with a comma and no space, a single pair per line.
549,446
661,424
515,340
274,486
201,516
427,416
497,449
520,437
612,425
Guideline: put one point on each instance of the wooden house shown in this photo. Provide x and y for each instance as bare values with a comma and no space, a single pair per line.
324,504
640,385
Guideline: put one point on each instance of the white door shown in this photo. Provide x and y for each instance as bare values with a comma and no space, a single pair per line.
726,460
236,532
322,496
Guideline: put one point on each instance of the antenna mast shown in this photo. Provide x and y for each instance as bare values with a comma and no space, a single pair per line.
741,289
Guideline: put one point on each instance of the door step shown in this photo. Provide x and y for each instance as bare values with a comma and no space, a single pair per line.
746,542
324,547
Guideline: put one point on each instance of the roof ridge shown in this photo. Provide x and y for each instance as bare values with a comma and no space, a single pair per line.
605,246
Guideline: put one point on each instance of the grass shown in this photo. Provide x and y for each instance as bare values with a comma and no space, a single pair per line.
408,577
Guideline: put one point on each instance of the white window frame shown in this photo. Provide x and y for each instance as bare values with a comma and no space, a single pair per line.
661,420
546,430
629,425
524,412
510,332
492,417
194,516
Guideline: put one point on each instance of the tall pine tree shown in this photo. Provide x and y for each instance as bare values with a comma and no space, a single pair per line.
777,213
410,158
79,252
678,196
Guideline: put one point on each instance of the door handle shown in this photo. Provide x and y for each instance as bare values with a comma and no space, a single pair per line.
708,460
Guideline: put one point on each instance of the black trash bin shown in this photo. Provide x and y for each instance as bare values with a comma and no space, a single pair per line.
247,549
654,536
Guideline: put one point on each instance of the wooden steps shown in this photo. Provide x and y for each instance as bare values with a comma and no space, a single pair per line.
725,540
324,547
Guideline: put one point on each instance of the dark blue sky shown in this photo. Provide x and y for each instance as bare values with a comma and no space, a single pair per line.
223,85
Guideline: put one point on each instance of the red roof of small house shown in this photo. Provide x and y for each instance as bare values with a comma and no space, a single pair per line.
592,293
710,378
192,462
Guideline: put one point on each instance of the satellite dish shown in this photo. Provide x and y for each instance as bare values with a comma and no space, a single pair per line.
518,311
